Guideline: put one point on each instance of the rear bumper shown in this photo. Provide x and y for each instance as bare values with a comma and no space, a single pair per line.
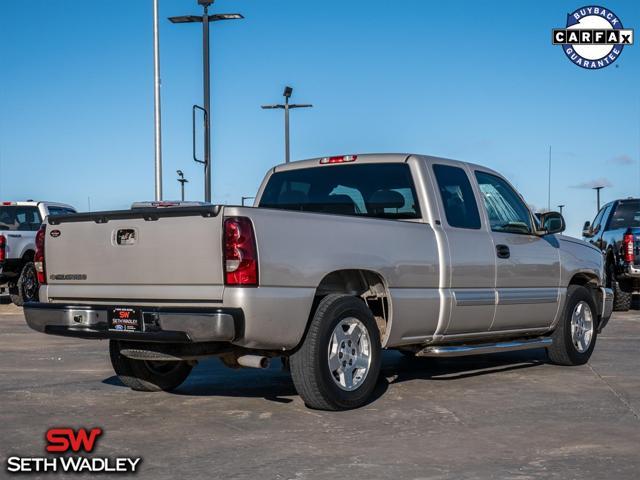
607,307
630,272
170,325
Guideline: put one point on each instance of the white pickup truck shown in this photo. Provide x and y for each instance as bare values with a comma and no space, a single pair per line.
19,222
340,258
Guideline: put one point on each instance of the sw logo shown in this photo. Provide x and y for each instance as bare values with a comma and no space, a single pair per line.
68,440
65,439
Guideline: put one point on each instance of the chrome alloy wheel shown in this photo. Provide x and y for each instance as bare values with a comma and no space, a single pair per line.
349,353
581,326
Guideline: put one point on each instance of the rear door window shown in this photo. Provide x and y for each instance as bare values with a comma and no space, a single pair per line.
380,190
21,219
457,196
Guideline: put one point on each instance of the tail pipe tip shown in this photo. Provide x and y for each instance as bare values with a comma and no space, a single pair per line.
254,361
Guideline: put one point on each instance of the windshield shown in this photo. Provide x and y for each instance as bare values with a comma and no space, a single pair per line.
382,190
25,219
626,214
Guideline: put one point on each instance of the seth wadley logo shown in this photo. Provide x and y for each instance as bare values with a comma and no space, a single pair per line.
593,38
66,440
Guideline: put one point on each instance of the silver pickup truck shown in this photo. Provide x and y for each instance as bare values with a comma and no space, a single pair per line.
340,258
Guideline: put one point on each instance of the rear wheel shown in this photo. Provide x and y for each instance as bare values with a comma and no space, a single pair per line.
338,364
26,288
575,336
145,375
621,299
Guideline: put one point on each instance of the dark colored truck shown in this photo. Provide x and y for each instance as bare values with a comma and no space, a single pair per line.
616,232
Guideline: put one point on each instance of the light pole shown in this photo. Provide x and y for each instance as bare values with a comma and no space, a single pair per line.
560,207
597,189
182,181
156,105
205,18
549,185
286,107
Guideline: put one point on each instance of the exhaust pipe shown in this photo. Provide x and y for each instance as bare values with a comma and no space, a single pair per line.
253,361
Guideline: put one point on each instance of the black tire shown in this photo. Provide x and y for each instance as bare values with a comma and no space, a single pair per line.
621,299
563,351
146,376
27,286
310,371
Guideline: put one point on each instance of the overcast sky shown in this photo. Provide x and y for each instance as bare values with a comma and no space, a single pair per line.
475,81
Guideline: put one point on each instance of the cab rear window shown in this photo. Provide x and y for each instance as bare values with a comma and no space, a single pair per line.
380,190
626,214
21,219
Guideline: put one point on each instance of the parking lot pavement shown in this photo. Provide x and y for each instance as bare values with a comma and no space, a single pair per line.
501,416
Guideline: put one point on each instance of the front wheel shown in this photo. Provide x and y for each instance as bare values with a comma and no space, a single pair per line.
575,336
27,286
146,375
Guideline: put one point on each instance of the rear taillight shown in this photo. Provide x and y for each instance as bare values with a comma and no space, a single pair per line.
628,248
240,253
3,248
38,258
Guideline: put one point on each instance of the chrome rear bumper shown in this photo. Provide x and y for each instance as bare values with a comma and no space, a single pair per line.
158,324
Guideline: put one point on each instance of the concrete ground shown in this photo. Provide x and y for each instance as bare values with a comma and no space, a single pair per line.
506,416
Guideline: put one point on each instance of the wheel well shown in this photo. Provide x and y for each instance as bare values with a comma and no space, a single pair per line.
366,284
589,281
585,280
28,256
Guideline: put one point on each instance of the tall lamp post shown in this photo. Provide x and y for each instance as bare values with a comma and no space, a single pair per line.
560,207
205,18
597,189
181,181
157,144
286,107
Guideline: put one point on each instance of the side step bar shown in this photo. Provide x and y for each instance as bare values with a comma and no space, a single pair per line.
478,349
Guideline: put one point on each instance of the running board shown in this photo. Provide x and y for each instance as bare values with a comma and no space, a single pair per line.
479,349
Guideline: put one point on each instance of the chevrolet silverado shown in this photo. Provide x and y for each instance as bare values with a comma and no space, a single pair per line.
339,258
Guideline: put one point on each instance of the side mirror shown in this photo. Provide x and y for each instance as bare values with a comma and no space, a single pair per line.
586,230
552,222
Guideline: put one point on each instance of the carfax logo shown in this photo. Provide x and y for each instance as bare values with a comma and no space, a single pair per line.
593,38
67,442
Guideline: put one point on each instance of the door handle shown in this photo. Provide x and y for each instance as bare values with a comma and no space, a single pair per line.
503,251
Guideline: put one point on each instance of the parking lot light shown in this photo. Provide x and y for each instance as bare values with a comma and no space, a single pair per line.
597,189
286,106
205,19
182,181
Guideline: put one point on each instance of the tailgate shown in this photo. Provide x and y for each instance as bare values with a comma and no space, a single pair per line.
136,256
